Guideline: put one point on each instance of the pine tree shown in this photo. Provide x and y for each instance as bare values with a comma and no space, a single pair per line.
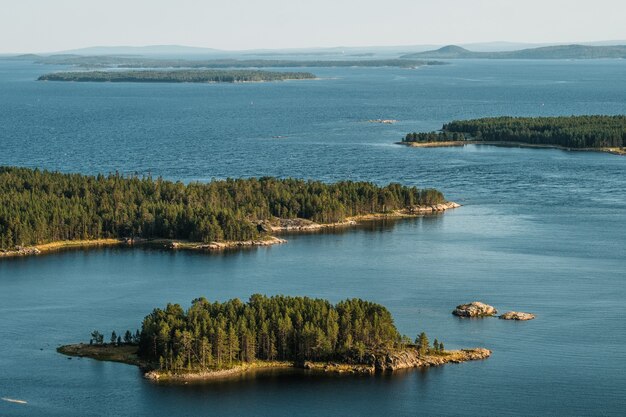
422,343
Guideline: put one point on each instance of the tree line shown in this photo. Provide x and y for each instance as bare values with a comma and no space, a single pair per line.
39,207
219,335
130,338
567,131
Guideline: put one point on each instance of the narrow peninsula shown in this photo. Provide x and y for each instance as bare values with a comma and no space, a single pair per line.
44,211
581,133
176,76
214,340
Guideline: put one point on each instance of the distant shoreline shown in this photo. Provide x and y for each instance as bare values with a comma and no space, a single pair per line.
389,361
511,144
161,76
277,226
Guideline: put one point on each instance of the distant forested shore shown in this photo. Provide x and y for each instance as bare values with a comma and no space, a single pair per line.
571,132
213,339
177,76
111,61
39,207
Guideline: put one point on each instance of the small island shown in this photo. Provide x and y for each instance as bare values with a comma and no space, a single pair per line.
213,340
517,316
176,76
582,133
43,211
475,309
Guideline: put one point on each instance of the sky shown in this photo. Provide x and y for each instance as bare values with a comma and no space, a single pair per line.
57,25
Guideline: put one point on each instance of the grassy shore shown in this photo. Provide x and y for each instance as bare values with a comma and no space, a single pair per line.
385,362
615,151
273,226
107,352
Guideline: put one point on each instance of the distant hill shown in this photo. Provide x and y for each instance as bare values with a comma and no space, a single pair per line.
545,52
141,50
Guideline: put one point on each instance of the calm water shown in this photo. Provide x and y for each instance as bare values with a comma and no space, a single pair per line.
540,231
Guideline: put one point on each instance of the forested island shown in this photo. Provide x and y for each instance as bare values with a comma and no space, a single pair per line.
177,76
603,133
216,339
42,210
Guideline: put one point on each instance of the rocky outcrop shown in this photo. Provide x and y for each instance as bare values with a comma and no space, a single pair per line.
435,208
475,309
389,361
269,241
383,121
517,315
299,225
410,358
21,251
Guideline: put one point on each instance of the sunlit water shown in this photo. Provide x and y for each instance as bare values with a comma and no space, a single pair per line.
540,231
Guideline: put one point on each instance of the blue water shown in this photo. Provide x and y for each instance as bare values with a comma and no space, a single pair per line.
540,231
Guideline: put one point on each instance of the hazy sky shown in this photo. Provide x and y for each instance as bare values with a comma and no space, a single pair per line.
53,25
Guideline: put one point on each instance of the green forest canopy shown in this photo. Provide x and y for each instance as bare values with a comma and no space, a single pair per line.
219,335
566,131
39,207
176,76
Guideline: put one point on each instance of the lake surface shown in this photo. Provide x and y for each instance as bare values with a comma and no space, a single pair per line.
540,230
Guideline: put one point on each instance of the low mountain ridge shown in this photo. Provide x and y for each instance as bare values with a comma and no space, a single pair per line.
574,51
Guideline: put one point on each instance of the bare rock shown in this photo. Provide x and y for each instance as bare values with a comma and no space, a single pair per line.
475,309
517,315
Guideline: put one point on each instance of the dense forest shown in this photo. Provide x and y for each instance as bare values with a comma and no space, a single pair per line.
219,335
177,76
39,206
566,131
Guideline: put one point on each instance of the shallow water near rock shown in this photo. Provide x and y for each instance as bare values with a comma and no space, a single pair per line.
539,231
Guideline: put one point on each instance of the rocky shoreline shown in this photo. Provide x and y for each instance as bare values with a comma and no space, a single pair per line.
446,144
268,226
375,362
171,244
403,359
303,225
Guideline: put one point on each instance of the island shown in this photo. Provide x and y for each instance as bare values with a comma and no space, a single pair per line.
581,133
176,76
475,309
213,340
517,315
42,211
